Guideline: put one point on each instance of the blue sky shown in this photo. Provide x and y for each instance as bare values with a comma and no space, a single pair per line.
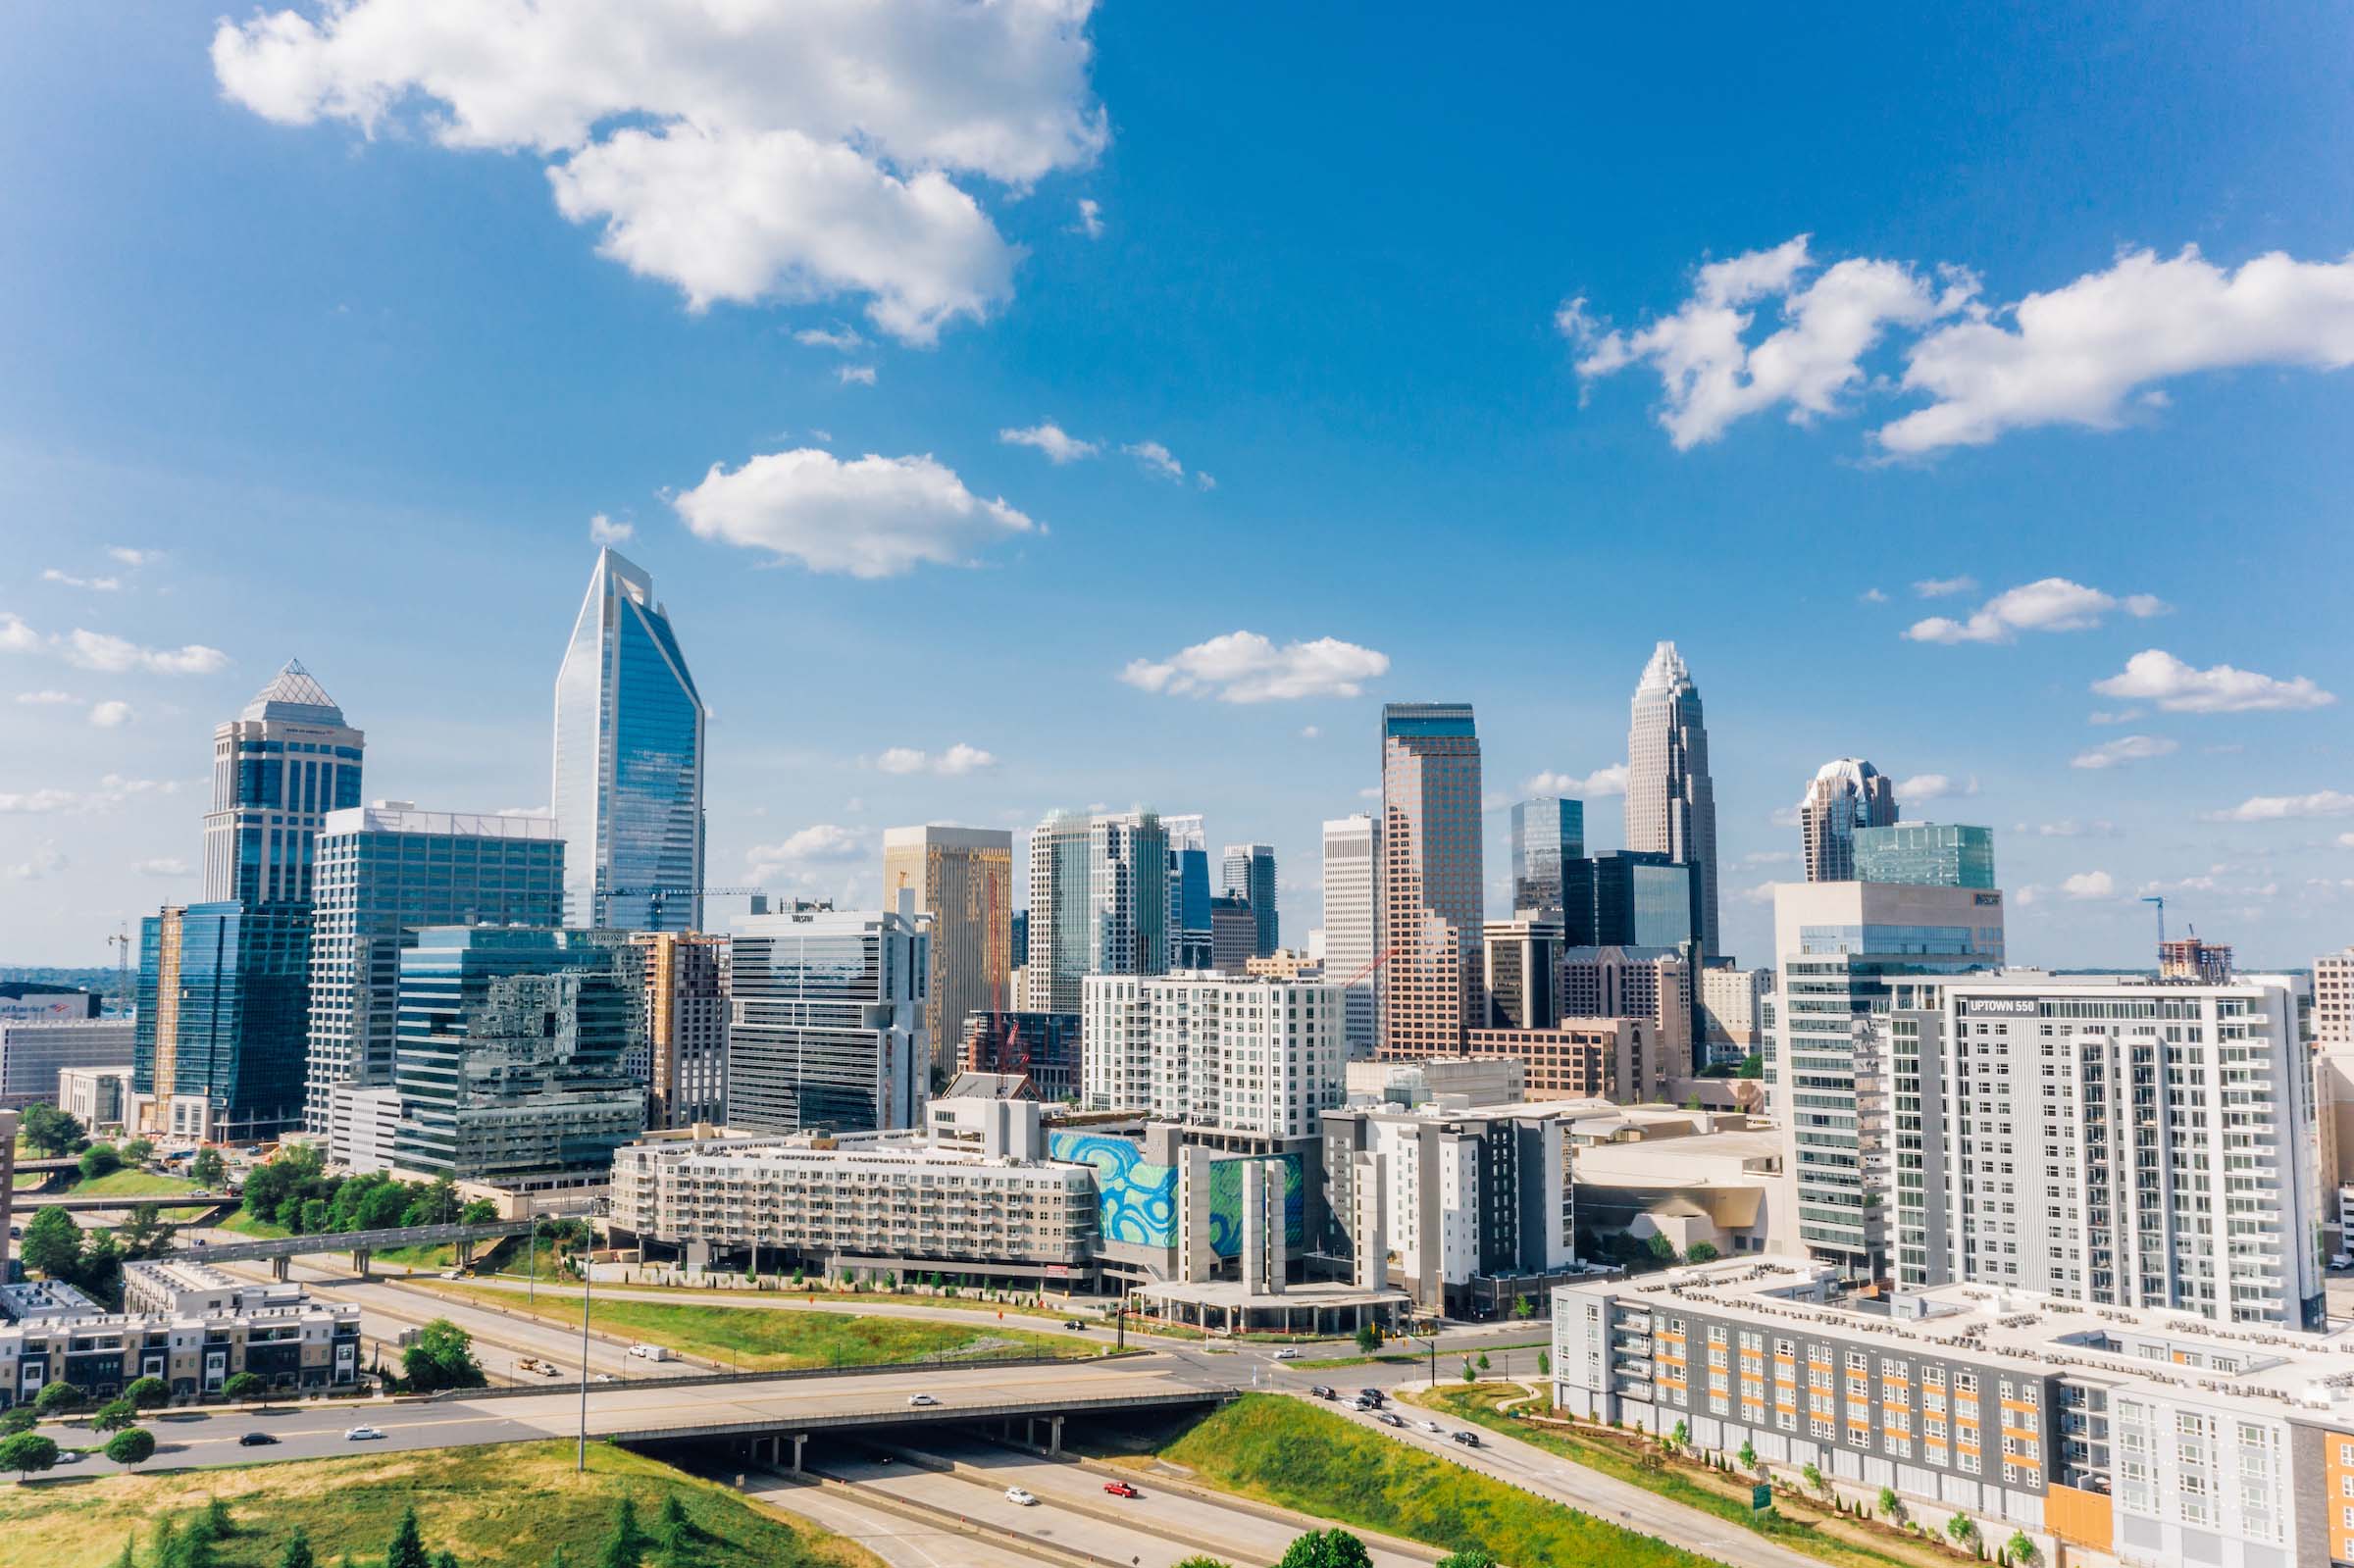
1492,337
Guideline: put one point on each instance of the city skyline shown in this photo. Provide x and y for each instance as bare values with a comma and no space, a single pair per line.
407,452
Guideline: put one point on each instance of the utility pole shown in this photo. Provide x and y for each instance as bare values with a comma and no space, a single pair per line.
588,1272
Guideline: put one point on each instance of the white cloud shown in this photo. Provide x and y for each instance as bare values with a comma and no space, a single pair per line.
172,866
873,518
2069,828
2122,716
2346,840
799,855
1783,816
741,153
841,340
1712,376
1309,732
1155,458
1091,217
1245,667
2126,748
103,651
109,714
2075,355
855,375
1059,445
1760,894
45,699
958,760
2048,604
2283,808
113,791
2090,885
1872,596
45,860
1940,588
38,802
99,585
16,636
1600,784
603,530
2156,676
131,557
1769,857
1924,788
1204,481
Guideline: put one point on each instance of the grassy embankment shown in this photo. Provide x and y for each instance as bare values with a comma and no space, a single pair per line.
498,1507
138,1185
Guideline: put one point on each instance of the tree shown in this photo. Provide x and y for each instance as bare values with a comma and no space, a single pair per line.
61,1398
17,1418
1680,1436
1701,1253
48,1130
1484,1362
445,1558
1543,1363
144,1234
1963,1529
217,1522
408,1543
1752,1066
1196,1561
114,1416
481,1211
1524,1309
139,1151
132,1445
148,1393
624,1548
1471,1557
1469,1376
129,1558
1326,1549
52,1244
1812,1476
298,1551
678,1530
1748,1456
209,1169
100,1159
442,1357
1369,1338
26,1453
2021,1549
1660,1248
245,1385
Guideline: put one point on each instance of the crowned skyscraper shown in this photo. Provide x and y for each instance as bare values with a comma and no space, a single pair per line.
280,766
629,773
1670,804
1845,794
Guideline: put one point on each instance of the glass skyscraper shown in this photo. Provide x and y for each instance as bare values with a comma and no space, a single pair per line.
1927,855
828,1026
628,762
1249,870
218,1046
1546,832
1429,894
1099,903
1671,800
278,768
1641,900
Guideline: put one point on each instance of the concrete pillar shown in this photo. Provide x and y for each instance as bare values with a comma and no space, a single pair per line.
1254,1228
280,1268
1278,1237
1054,1434
798,1439
1369,1185
359,1261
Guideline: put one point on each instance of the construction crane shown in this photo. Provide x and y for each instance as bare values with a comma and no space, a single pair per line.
2153,898
657,898
120,942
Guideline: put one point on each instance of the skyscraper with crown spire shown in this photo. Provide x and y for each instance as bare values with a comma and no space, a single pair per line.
1670,802
280,766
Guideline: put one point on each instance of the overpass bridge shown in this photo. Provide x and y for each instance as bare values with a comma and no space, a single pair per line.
84,1202
281,1251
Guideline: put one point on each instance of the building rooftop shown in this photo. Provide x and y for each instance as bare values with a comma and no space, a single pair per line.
293,694
402,816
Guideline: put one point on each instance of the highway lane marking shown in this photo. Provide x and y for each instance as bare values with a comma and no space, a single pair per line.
397,1428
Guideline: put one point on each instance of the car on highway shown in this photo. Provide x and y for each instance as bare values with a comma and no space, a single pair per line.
1121,1488
1321,1392
1016,1494
1469,1440
1073,1322
918,1402
362,1434
1371,1395
1432,1426
1389,1418
257,1439
1358,1401
1287,1353
604,1377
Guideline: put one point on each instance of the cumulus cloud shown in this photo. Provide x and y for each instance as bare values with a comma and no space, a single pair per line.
16,636
842,340
1156,459
2120,716
45,699
109,714
2069,828
1245,667
958,760
113,791
737,152
103,651
172,865
132,558
98,585
1600,784
2126,748
1924,788
855,375
1872,596
2156,676
873,518
38,802
2048,604
46,862
1058,444
603,530
1940,588
2283,808
1091,217
2346,840
2090,885
804,856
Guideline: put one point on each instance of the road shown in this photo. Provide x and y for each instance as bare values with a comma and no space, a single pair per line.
899,1542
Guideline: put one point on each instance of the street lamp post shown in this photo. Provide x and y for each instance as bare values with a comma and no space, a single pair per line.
588,1276
1433,1343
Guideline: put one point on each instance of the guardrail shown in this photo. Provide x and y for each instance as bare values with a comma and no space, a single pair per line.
349,1241
785,1374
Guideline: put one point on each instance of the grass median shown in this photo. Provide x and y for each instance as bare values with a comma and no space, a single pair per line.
1291,1454
765,1339
500,1507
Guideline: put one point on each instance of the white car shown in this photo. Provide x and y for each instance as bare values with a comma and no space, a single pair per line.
362,1434
1016,1494
1431,1427
1287,1353
918,1402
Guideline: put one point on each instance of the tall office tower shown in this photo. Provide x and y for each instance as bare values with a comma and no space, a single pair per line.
2188,958
1844,795
278,767
2110,1139
1233,933
2333,1090
1247,1055
964,878
1546,832
1099,903
1429,894
509,1055
1729,1005
828,1021
2334,1000
1522,971
1641,899
1841,948
628,755
1671,803
1190,946
1349,856
1651,983
383,872
219,1052
1250,873
1018,953
686,981
1927,855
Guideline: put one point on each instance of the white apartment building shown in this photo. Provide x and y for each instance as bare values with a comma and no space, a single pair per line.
1248,1054
1350,857
1729,1006
2108,1139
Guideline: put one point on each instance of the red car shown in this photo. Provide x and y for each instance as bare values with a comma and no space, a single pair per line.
1121,1488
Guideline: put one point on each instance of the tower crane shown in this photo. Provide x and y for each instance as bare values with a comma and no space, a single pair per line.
2153,898
657,898
120,942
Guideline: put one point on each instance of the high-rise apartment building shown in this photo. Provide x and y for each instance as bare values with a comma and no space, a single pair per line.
1670,802
828,1023
2108,1139
2334,1000
510,1052
628,761
1546,833
383,872
1927,855
964,878
685,976
278,767
1350,857
1258,1056
1729,1008
220,1053
2333,1090
1430,892
1249,870
1845,794
1842,949
1099,903
2189,958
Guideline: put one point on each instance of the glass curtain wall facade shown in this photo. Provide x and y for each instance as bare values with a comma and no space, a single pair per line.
1099,903
1430,896
828,1022
1845,797
962,878
223,988
1190,946
1641,900
1249,873
1927,855
278,767
628,762
1546,833
1671,800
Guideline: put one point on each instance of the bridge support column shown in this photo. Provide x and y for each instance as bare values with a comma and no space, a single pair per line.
281,1268
1055,1435
359,1261
798,1439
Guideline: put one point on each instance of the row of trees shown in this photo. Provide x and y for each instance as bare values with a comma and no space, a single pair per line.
92,1261
295,1192
1338,1549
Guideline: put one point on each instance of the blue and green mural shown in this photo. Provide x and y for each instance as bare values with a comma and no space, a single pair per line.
1136,1200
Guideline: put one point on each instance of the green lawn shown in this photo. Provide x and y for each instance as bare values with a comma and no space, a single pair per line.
245,1223
129,1183
1283,1451
497,1507
775,1338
